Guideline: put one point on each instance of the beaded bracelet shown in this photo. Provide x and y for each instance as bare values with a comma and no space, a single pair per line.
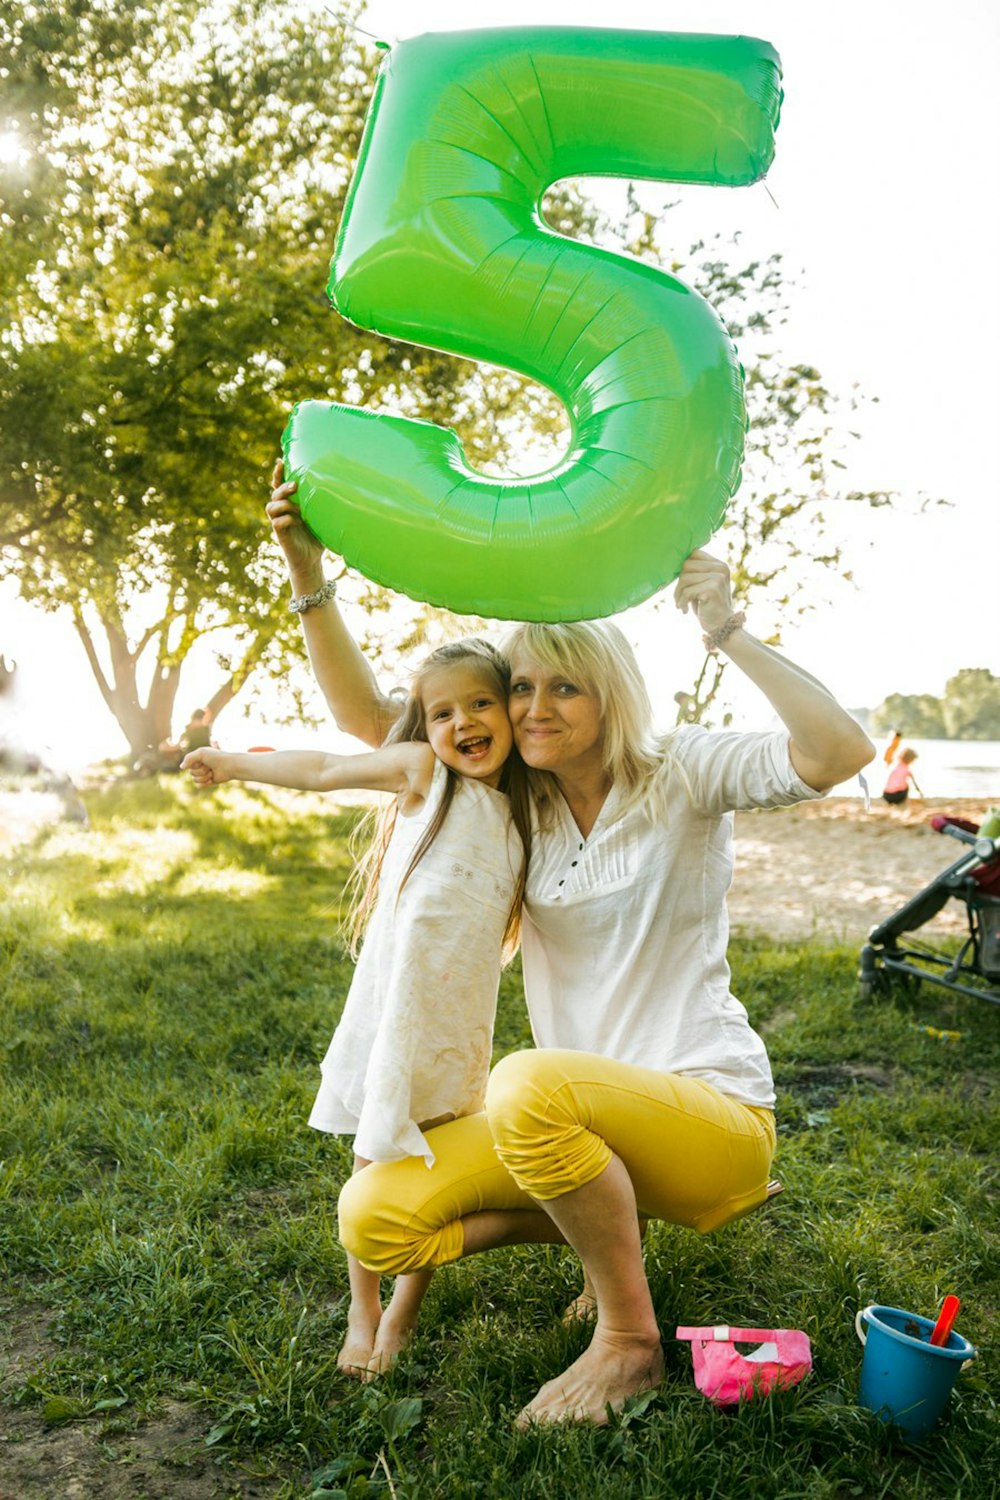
715,638
309,601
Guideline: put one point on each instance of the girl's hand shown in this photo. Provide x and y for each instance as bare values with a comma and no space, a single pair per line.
207,767
302,551
703,585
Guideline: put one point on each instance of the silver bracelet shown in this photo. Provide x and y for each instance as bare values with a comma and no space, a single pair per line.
715,638
310,601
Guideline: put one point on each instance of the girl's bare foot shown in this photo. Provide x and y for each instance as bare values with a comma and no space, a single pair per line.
581,1309
611,1370
391,1339
583,1306
397,1323
358,1346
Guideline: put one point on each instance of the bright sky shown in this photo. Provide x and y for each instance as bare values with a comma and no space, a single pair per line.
885,186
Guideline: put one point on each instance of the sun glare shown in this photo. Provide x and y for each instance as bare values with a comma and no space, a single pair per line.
12,151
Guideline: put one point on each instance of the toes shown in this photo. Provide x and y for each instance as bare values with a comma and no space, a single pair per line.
556,1415
379,1364
580,1310
355,1356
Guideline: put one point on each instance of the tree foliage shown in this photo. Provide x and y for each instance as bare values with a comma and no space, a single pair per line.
162,238
969,709
162,256
164,250
917,715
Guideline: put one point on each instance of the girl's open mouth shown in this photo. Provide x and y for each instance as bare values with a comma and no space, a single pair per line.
475,749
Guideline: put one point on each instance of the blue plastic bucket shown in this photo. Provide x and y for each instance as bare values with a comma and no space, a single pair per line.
905,1379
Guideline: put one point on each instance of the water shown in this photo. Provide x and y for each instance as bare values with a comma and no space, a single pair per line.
943,768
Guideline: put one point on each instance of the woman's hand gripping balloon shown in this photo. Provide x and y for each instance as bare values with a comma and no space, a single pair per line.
704,586
303,553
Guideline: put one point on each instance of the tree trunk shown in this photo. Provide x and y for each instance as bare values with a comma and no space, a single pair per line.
143,725
146,725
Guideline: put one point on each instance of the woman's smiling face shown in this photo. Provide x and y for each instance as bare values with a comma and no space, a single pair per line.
557,722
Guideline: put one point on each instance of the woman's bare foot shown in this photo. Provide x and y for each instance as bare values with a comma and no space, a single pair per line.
607,1373
358,1346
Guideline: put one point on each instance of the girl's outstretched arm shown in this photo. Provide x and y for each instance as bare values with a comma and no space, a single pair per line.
341,669
826,745
403,769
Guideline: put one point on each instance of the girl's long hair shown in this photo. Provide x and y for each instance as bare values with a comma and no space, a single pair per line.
595,655
372,835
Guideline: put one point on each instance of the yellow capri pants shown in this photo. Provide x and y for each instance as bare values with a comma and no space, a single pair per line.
552,1121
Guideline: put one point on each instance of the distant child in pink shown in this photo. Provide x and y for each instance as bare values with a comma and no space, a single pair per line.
897,786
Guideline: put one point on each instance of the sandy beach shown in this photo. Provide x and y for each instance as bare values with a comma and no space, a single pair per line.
833,870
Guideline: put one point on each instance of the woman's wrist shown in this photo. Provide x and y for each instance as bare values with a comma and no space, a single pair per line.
721,637
325,594
307,577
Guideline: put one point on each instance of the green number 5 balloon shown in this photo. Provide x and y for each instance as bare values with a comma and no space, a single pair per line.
442,244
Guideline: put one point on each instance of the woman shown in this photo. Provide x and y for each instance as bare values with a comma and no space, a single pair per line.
649,1094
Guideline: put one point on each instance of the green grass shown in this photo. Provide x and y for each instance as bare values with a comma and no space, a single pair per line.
167,1220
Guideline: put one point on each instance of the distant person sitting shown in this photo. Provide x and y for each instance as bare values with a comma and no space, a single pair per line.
169,753
197,734
897,786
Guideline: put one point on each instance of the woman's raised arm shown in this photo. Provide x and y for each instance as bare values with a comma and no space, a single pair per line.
342,671
826,746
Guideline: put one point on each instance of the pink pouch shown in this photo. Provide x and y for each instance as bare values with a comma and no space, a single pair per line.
726,1377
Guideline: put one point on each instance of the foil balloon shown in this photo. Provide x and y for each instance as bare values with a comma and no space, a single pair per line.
443,244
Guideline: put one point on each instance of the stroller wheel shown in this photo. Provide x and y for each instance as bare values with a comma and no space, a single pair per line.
875,985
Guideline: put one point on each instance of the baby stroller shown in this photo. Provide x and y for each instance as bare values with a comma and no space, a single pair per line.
893,955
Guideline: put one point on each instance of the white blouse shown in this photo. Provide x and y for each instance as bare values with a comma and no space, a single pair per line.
416,1037
625,932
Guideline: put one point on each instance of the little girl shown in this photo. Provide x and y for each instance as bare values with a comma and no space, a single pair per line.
897,786
441,899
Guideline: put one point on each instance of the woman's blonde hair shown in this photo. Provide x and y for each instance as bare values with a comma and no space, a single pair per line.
374,831
595,656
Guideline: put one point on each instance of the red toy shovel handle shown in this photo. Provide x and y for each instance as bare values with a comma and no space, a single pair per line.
946,1320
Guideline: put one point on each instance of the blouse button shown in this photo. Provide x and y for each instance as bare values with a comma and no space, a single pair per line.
562,882
574,864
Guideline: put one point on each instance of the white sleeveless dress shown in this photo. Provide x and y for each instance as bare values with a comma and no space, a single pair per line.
416,1037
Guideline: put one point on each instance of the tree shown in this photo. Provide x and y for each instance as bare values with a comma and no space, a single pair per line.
161,299
163,257
161,269
918,717
968,710
971,705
